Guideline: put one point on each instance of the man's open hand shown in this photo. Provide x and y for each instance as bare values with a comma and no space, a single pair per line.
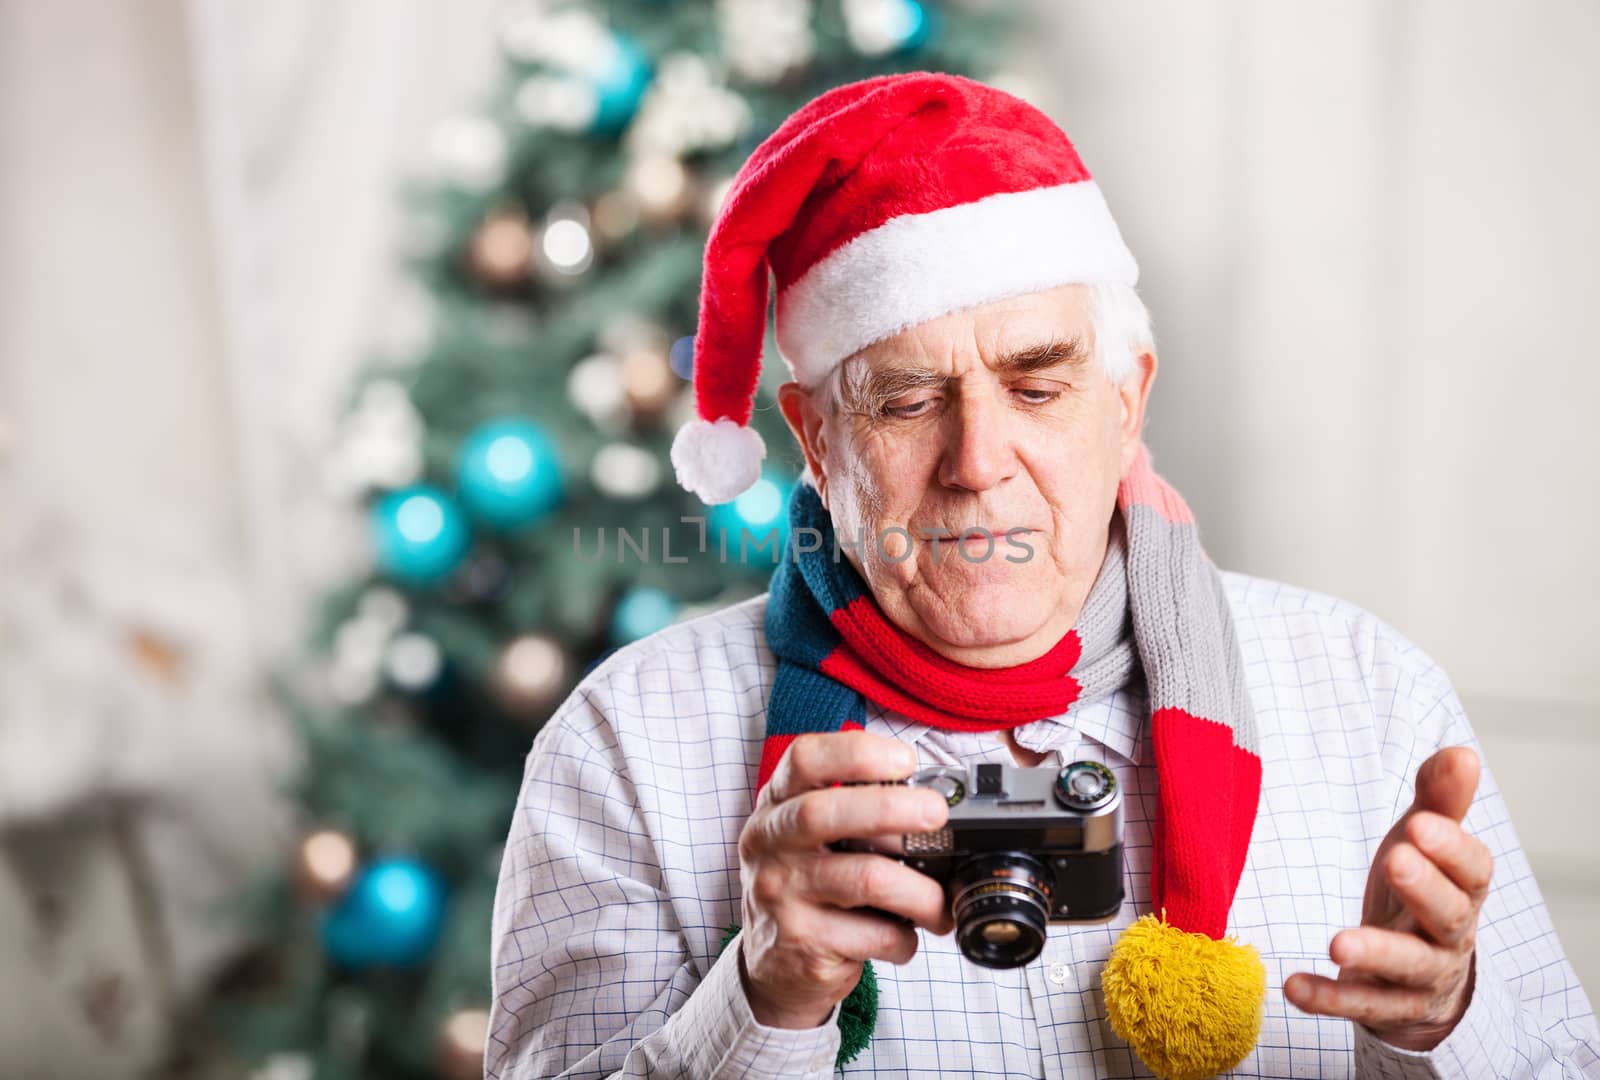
802,948
1407,972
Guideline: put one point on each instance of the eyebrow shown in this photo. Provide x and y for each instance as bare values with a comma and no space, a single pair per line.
871,390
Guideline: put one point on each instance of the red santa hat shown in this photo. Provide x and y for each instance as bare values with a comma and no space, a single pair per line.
877,206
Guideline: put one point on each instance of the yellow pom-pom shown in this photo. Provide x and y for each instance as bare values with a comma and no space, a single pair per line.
1188,1005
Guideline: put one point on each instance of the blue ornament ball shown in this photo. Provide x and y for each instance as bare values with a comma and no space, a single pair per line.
642,611
620,86
759,511
508,473
390,916
681,357
419,535
918,22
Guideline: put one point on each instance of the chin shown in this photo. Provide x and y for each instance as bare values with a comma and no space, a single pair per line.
986,614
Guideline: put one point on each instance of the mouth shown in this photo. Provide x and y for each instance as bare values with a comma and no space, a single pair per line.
976,541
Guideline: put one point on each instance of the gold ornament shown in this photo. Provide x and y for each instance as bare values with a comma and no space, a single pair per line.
648,380
615,217
662,186
500,253
530,674
461,1043
324,865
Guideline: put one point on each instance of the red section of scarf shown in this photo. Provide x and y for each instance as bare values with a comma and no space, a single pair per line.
898,672
1205,809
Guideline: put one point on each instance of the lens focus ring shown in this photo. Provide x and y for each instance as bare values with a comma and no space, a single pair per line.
1001,905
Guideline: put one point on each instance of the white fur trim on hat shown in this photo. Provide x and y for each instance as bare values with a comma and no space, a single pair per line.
918,267
717,461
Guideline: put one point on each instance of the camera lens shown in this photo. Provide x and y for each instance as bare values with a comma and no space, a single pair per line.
1001,904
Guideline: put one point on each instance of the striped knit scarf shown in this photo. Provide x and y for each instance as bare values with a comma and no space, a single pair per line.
1157,608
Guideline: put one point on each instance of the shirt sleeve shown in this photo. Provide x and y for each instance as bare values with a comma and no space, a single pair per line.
1528,1016
592,975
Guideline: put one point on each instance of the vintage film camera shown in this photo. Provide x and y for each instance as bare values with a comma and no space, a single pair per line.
1023,847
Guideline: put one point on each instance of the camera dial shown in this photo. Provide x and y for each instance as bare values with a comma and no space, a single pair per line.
946,780
1084,785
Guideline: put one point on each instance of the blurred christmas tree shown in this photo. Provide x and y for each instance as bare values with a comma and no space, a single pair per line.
522,507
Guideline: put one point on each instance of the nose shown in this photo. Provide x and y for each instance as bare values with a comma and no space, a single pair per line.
979,452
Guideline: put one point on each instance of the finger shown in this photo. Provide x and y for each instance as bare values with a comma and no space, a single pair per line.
819,759
1374,1004
1464,858
859,936
1392,956
1442,910
851,881
1447,781
815,819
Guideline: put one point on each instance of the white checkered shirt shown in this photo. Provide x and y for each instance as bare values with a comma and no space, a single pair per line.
621,873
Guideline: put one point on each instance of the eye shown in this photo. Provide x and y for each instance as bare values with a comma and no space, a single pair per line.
1037,397
911,410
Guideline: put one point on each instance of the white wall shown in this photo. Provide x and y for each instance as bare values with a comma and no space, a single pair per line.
1369,236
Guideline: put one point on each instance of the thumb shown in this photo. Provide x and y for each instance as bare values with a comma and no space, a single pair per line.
1447,781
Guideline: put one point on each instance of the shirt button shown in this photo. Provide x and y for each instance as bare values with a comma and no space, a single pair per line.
1060,974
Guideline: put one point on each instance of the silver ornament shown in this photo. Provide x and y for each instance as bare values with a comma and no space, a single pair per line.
624,471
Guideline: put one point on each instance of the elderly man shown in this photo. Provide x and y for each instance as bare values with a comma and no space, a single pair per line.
1318,876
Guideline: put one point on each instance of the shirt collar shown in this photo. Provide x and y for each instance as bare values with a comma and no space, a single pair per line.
1116,722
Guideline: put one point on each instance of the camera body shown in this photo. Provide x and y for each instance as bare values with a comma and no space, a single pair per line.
1023,847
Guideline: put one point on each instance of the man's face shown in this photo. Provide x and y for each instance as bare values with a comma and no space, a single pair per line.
996,417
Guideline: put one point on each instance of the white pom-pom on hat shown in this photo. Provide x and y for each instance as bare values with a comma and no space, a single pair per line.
717,461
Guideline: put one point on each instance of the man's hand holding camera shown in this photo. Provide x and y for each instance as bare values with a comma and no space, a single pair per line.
1407,972
802,948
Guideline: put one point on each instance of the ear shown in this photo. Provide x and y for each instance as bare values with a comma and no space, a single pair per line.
807,422
1135,395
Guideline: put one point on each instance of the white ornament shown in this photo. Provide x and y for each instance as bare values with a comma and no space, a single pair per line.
625,471
564,242
384,606
469,152
763,40
563,102
596,388
519,23
413,662
379,443
359,642
571,40
285,1067
686,109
